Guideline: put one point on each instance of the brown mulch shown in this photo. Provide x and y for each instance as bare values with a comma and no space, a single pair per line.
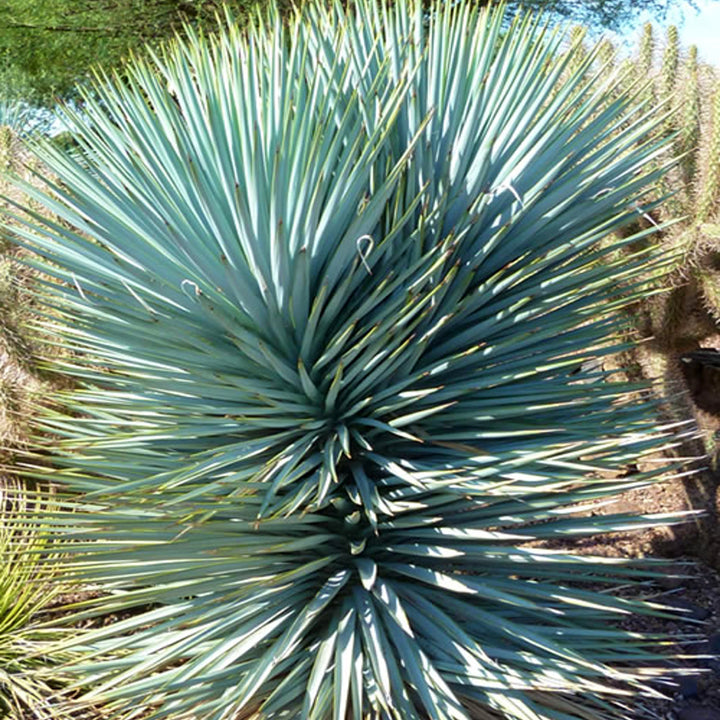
691,584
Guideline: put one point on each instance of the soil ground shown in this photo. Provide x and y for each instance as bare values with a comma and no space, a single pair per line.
691,549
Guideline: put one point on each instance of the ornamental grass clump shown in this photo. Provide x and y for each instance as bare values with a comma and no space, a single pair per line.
330,286
31,673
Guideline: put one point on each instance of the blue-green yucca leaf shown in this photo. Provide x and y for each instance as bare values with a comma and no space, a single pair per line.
328,285
436,585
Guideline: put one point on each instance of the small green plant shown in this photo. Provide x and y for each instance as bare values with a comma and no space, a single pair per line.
30,672
331,285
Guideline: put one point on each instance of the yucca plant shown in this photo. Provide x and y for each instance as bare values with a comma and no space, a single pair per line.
329,286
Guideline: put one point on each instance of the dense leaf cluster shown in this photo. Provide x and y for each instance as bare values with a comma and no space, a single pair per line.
331,284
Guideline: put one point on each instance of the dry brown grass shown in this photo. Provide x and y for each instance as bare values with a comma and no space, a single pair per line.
23,385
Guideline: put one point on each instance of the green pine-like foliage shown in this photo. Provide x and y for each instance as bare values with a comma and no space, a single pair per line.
329,287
